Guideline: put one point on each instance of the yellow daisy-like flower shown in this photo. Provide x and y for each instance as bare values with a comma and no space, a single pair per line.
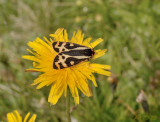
75,77
15,117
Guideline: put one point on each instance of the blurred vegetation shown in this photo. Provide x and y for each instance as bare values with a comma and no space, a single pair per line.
131,30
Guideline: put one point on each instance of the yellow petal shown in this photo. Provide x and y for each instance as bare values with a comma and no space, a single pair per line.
11,117
94,66
15,117
42,84
25,119
86,42
58,88
54,98
57,33
78,38
33,118
76,100
82,83
49,42
99,53
32,52
103,72
33,70
95,43
65,36
72,85
19,118
33,58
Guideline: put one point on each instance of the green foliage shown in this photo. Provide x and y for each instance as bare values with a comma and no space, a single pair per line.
130,29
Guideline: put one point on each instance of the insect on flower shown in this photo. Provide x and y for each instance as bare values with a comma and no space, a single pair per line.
64,64
70,54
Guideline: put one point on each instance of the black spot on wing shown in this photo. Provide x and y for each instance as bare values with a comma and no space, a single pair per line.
85,52
68,45
61,66
63,57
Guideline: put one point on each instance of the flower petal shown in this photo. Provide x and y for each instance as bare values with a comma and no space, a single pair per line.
15,117
103,72
82,83
86,42
54,98
33,118
95,43
11,117
57,33
25,119
94,65
33,58
99,53
65,36
19,118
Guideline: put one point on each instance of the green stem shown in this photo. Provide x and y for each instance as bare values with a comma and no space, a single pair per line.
68,106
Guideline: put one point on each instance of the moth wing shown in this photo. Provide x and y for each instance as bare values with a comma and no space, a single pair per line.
64,61
59,62
65,46
55,62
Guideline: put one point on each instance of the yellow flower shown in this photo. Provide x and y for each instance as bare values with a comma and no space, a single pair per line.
15,117
75,77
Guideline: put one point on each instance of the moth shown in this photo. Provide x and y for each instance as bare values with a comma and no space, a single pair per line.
70,54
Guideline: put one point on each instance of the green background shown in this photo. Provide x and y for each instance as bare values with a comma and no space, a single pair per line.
131,33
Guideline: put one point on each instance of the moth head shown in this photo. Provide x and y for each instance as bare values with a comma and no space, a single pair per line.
92,49
93,52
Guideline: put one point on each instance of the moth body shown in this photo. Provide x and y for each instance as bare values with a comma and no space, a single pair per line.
70,54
